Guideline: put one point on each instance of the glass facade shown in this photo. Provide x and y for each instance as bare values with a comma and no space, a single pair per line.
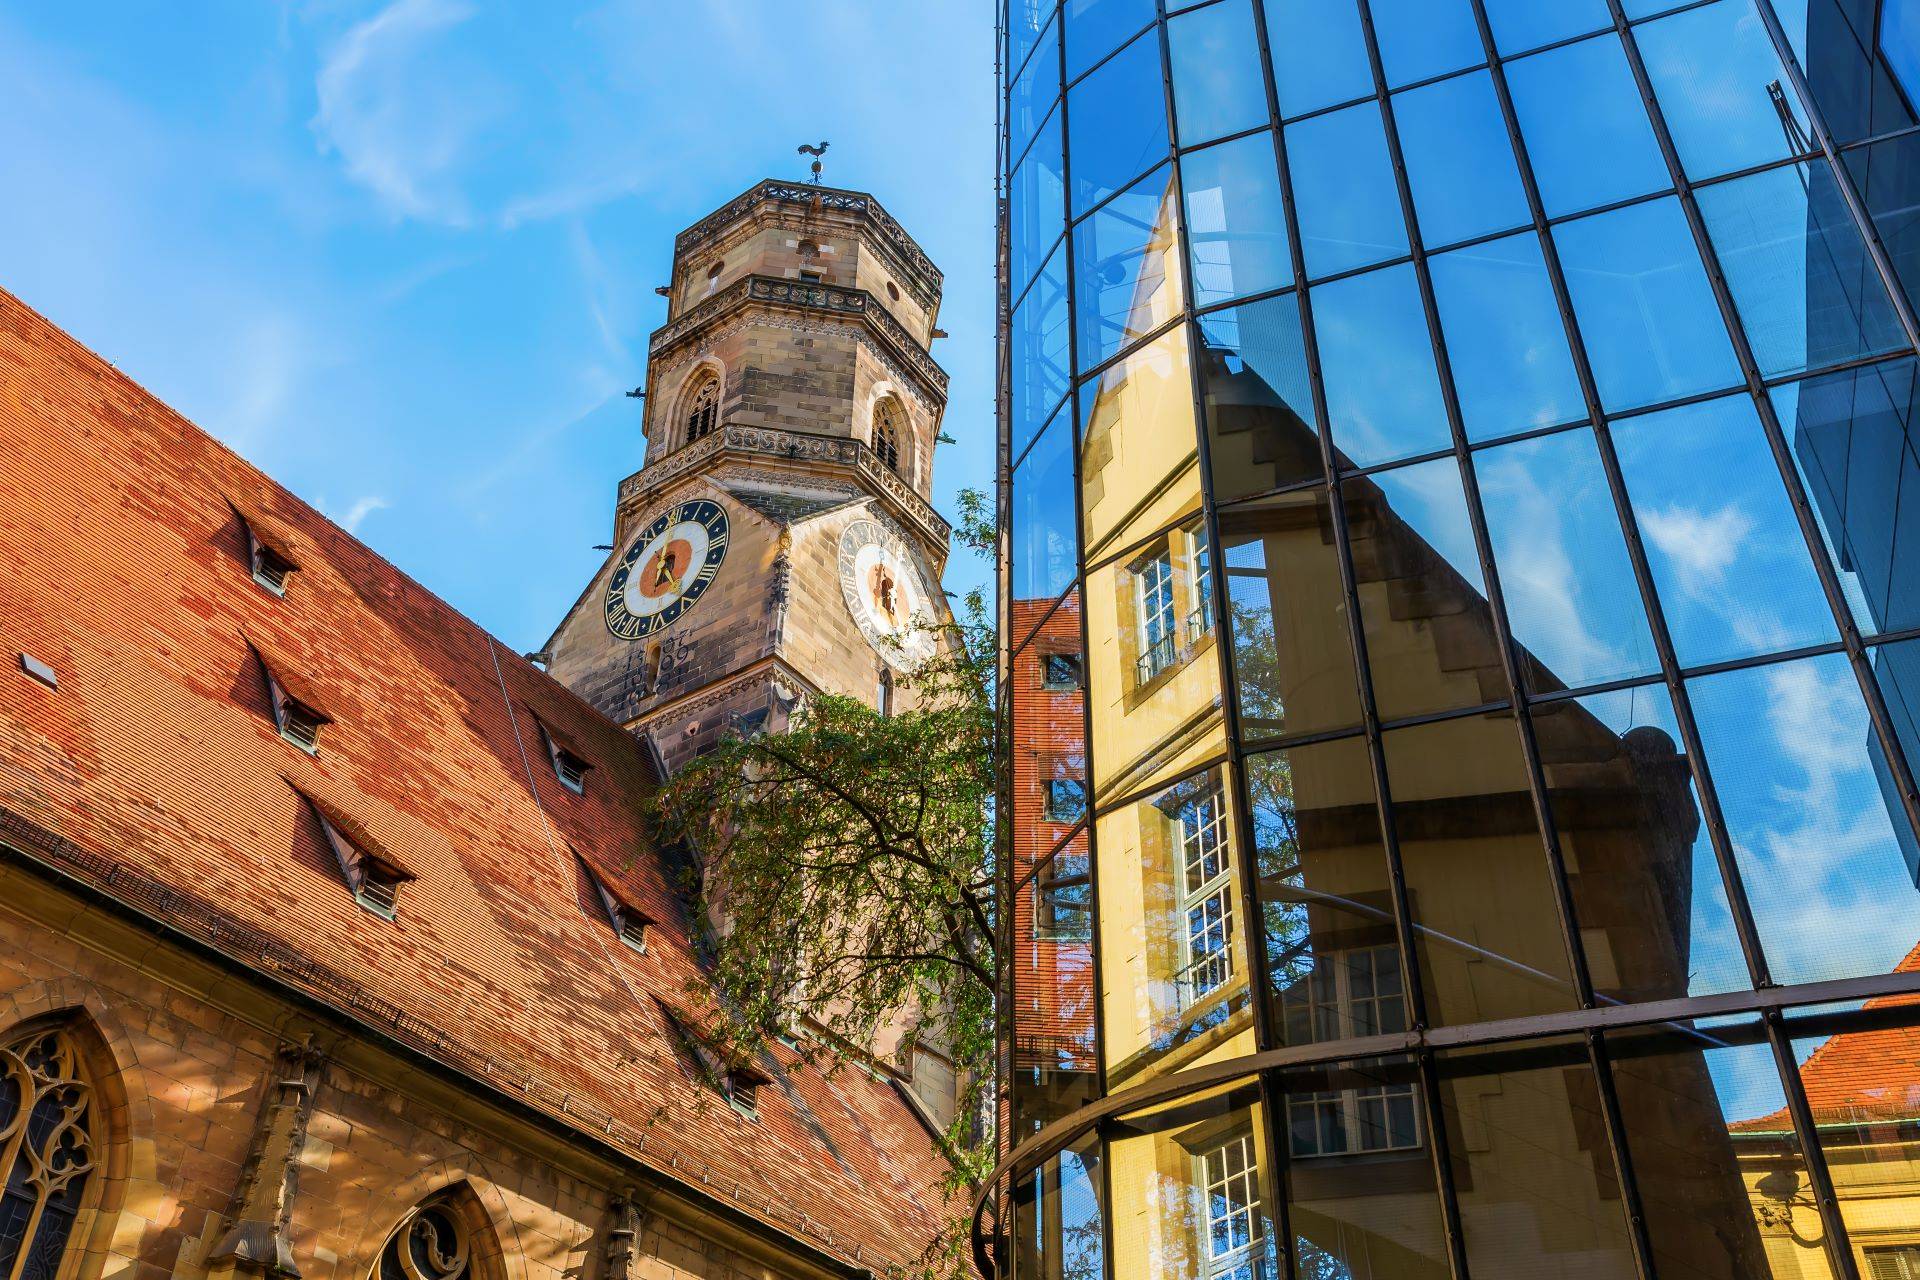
1460,466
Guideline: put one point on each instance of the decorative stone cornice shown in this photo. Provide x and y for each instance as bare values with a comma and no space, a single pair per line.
858,203
852,304
798,446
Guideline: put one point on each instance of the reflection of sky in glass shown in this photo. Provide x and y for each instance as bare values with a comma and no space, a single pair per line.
1122,259
1095,27
1788,747
1044,545
1727,556
1217,89
1319,53
1563,562
1116,122
1420,39
1598,153
1746,1079
1236,221
1376,358
1505,340
1453,128
1900,38
1343,191
1429,499
1520,25
1710,70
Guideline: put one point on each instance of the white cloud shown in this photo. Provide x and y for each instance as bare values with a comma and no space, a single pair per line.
1701,546
359,511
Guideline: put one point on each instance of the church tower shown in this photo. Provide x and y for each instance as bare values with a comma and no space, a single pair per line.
779,539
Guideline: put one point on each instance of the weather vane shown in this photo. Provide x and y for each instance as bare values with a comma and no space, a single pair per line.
816,153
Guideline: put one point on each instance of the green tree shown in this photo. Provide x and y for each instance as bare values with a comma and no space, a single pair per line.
849,864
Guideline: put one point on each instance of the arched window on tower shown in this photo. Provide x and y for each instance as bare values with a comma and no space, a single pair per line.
703,408
47,1150
889,435
883,694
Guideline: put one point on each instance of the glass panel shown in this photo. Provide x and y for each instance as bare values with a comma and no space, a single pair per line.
1790,747
1038,352
1430,638
1139,452
1218,88
1570,592
1530,1157
1856,79
1236,222
1057,1217
1319,54
1856,439
1025,19
1045,546
1343,190
1173,962
1116,120
1033,93
1653,914
1486,925
1520,25
1126,265
1722,1184
1376,361
1715,75
1505,339
1096,28
1896,669
1253,368
1193,1178
1887,175
1726,552
1647,314
1292,655
1326,907
1800,276
1862,1078
1036,207
1448,131
1586,132
1155,675
1420,39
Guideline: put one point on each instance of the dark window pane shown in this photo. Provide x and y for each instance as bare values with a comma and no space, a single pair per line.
1253,368
1430,638
1236,222
1856,439
1319,54
1505,339
1343,190
1362,1201
1727,557
1126,265
1448,131
1095,28
1722,1182
1486,927
1057,1217
1647,892
1038,349
1862,85
1520,25
1033,93
1036,207
1896,669
1420,39
1712,71
1531,1159
1291,651
1888,177
1585,129
1376,359
1569,586
1044,546
1116,122
1647,314
1806,291
1790,748
1217,85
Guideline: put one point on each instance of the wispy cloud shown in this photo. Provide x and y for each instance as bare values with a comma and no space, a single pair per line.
1702,546
357,514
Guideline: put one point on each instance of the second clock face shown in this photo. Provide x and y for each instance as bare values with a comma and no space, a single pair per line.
667,568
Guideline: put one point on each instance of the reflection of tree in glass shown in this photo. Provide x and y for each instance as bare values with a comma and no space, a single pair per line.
1276,846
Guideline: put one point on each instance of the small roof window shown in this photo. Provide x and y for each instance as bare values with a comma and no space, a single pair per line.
295,714
268,562
568,766
630,924
370,872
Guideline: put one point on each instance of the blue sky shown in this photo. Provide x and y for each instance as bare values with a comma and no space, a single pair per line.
401,254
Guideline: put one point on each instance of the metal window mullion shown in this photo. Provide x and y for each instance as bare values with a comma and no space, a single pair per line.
1482,539
1745,929
1600,1063
1876,705
1839,1247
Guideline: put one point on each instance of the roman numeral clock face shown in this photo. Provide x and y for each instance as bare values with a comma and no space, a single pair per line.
667,568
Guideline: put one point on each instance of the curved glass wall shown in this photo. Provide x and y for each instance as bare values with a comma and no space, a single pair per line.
1462,470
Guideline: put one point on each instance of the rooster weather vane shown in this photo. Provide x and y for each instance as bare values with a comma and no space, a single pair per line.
816,153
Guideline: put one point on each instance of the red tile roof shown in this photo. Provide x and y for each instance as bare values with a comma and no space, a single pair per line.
155,772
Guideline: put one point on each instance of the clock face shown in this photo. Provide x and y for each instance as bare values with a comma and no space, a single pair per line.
886,593
667,568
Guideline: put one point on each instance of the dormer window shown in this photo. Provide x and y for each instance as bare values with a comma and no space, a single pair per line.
268,563
742,1087
630,924
370,872
294,715
568,767
737,1080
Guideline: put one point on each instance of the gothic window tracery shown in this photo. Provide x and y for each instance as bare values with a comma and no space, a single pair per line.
431,1243
703,409
46,1149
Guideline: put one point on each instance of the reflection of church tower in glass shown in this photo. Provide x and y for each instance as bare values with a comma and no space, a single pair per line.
779,538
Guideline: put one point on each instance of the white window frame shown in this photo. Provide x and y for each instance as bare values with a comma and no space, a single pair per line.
1156,614
1228,1178
1206,893
1357,1005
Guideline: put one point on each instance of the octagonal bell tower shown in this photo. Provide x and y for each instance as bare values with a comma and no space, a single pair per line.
779,538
